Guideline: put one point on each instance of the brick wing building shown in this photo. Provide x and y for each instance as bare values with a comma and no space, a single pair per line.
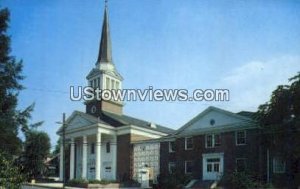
214,142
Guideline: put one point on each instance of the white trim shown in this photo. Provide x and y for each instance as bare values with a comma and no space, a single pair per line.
221,128
245,133
185,143
213,140
212,108
205,175
132,129
170,147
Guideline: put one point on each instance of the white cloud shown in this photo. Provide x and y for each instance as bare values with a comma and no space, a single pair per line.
252,83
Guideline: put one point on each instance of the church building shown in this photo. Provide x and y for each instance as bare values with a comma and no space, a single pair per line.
99,140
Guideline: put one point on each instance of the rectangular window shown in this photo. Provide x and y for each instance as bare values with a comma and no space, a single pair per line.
108,147
112,84
212,140
107,83
216,167
278,165
209,168
94,83
217,139
241,164
117,85
172,146
189,143
188,166
172,167
93,148
209,141
213,165
98,82
240,137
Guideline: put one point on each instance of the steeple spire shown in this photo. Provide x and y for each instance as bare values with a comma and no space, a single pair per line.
105,53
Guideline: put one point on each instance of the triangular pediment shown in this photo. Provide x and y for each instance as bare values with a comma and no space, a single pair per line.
79,120
214,118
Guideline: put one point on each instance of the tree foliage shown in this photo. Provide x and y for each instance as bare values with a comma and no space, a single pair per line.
11,119
280,120
37,149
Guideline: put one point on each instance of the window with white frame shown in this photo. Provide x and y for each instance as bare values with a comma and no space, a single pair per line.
172,146
188,166
93,148
241,164
108,147
189,143
172,167
278,165
212,140
240,137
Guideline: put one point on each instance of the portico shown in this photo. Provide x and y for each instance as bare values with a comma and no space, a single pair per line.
92,149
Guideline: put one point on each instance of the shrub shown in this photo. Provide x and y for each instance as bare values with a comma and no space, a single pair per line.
83,183
238,180
103,181
175,180
10,174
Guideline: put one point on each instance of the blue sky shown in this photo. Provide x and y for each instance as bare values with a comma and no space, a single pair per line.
249,47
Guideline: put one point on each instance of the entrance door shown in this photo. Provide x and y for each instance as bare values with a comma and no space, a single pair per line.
212,166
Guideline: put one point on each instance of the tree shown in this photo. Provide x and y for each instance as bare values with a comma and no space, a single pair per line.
280,120
56,150
11,119
37,149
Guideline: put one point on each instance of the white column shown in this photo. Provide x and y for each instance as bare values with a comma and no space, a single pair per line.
72,158
61,163
84,158
114,153
98,156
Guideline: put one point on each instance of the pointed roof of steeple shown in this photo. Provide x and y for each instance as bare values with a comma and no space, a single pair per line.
105,52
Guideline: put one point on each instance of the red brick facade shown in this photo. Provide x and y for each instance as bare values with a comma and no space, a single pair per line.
249,151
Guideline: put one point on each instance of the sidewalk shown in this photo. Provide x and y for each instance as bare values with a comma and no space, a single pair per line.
52,185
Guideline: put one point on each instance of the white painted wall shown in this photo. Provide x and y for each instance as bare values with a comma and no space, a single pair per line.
220,119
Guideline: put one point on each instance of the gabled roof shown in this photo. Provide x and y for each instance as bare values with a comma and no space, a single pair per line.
128,120
245,119
252,115
116,120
